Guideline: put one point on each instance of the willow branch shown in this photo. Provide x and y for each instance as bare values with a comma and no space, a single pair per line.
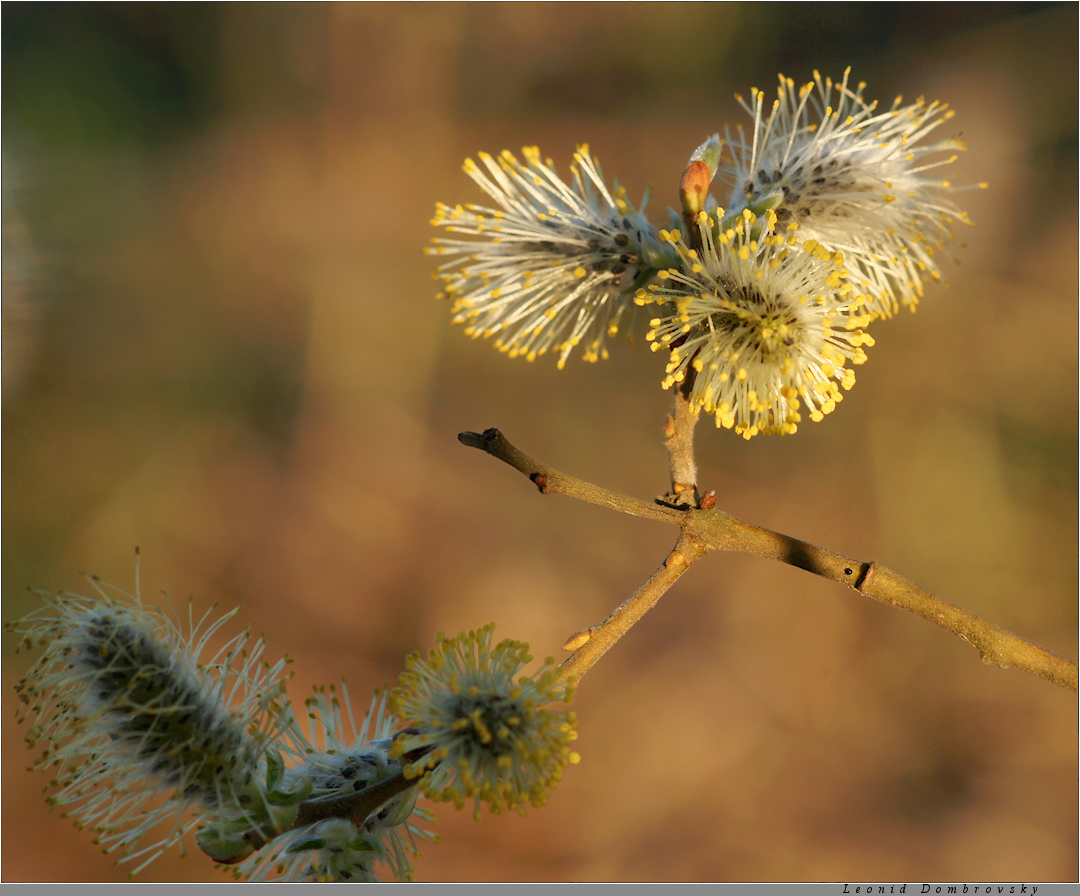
550,481
713,530
356,807
996,645
592,643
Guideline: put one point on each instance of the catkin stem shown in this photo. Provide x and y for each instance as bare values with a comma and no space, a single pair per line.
679,441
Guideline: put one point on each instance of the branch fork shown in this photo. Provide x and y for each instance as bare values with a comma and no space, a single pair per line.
704,527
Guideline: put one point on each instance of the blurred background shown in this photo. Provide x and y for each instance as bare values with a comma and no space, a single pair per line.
221,343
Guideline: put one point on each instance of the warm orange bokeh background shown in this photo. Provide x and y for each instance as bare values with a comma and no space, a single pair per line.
221,343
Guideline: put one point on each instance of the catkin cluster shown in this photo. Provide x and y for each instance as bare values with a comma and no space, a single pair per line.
834,215
146,739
